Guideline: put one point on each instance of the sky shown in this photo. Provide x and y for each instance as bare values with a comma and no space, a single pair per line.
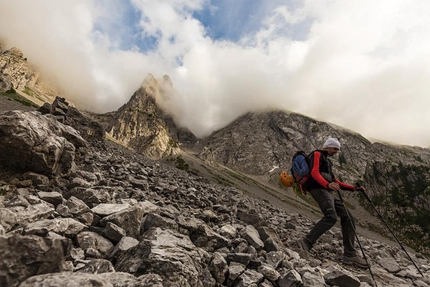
360,64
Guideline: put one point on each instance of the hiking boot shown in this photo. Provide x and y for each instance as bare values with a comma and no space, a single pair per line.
302,245
356,261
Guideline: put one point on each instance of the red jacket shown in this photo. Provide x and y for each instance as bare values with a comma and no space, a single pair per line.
321,173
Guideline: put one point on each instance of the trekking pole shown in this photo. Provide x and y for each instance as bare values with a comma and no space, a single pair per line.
392,233
356,237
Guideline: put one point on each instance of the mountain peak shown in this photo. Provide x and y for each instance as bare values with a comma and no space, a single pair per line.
144,125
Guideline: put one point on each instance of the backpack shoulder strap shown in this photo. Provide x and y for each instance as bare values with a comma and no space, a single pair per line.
310,159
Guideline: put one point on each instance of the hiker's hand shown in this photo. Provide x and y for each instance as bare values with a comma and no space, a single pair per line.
359,188
333,186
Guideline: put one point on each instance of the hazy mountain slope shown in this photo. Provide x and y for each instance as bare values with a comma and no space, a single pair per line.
142,125
17,76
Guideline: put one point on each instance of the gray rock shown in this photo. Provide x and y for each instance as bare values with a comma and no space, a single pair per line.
104,209
65,226
113,232
340,278
252,236
218,267
66,279
152,220
48,149
97,266
129,219
91,241
249,278
228,231
25,256
10,217
242,258
123,245
269,272
53,197
389,264
37,179
171,255
91,196
234,271
290,279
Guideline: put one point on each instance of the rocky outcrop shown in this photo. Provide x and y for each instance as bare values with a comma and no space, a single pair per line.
120,219
89,129
15,72
142,125
33,142
19,79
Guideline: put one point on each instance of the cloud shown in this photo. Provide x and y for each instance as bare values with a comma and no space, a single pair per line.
362,64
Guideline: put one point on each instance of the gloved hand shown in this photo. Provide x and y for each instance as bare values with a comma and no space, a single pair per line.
333,186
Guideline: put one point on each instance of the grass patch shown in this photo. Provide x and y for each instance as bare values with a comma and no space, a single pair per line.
3,191
181,164
223,181
11,94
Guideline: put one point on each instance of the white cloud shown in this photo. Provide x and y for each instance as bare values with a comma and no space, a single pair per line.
360,64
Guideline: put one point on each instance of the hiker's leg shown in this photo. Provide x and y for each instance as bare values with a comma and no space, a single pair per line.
348,226
325,200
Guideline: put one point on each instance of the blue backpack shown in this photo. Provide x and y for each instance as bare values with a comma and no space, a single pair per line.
300,168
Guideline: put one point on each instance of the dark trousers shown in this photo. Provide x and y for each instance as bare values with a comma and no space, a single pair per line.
332,207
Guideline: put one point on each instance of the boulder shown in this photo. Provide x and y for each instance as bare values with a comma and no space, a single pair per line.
25,256
33,142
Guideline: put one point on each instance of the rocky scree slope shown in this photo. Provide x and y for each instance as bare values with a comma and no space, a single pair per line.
98,214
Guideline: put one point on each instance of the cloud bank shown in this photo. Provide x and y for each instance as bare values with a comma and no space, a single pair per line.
360,64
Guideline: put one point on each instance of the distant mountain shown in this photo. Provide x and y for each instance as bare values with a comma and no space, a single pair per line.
143,126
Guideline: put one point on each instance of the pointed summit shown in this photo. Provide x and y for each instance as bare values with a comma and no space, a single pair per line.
143,125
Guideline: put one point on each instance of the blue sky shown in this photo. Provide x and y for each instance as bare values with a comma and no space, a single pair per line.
231,20
361,64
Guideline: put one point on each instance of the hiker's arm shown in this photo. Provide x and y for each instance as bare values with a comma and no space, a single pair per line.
315,171
344,185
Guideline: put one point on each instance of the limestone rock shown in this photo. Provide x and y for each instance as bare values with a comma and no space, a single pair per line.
169,254
48,147
25,256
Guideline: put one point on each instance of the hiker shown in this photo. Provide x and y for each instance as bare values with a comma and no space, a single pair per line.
322,185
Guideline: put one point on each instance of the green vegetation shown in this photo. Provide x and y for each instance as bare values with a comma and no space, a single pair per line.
12,94
3,191
223,181
181,164
405,206
173,143
342,159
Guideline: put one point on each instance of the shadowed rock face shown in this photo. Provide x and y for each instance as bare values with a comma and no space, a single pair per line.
121,219
89,129
33,142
